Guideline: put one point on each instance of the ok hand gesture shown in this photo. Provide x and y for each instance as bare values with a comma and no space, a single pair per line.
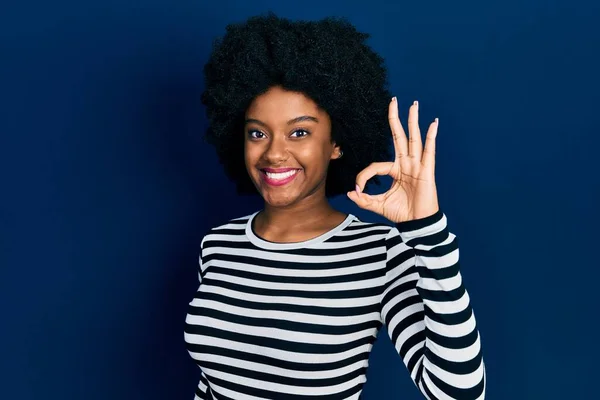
413,193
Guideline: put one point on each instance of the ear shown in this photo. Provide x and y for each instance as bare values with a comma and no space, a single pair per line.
336,152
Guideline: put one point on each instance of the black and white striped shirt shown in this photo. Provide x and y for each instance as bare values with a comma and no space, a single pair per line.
298,320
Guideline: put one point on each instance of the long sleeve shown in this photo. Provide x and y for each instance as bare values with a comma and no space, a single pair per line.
427,311
201,390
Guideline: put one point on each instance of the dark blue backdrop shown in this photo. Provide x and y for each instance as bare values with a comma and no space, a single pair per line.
106,188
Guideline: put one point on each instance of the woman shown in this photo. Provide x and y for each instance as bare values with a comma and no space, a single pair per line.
291,298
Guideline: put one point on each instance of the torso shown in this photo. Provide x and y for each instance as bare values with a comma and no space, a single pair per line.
295,319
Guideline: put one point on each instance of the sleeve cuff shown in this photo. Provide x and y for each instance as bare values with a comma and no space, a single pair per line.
406,227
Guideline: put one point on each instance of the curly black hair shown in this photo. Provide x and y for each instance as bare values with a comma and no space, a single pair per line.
327,60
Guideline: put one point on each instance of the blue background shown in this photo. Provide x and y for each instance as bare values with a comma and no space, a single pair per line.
107,188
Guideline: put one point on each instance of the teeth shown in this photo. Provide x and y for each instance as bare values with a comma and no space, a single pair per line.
282,175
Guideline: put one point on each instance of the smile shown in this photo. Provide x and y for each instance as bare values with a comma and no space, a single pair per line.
279,178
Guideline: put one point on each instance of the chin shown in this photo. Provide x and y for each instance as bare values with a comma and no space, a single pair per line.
279,199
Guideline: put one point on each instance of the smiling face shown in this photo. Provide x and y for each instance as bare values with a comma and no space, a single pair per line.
287,147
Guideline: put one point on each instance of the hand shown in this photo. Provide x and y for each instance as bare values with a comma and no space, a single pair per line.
413,194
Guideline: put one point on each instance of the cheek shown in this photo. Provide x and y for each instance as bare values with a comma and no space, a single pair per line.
316,153
250,156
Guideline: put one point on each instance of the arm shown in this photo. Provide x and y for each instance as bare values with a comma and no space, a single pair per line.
201,390
427,311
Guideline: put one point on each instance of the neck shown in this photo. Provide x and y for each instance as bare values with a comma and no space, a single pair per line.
305,213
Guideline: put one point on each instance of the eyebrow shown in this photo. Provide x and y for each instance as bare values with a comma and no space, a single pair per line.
302,118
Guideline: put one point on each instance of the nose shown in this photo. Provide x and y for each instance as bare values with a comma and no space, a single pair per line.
276,151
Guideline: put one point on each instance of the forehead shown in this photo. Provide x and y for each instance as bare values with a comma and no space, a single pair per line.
278,104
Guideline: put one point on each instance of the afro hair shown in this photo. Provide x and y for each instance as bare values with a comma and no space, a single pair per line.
328,61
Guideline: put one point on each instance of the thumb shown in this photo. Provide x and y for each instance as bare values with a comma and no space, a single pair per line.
363,200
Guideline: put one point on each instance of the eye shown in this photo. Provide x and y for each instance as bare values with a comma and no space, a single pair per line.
255,134
301,133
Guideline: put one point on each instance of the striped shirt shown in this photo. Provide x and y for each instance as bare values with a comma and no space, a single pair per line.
298,320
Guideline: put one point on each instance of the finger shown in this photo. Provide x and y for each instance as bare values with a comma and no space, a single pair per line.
428,159
415,144
398,134
363,200
376,168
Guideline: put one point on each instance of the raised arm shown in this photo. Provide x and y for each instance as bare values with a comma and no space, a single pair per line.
427,311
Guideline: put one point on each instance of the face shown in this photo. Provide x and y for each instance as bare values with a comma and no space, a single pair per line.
287,147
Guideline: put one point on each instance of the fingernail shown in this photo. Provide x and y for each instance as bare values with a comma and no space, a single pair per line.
416,103
357,189
394,98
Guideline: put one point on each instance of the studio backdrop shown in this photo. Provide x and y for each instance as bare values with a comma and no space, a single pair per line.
107,188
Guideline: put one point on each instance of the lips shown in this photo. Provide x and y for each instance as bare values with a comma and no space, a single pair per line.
278,176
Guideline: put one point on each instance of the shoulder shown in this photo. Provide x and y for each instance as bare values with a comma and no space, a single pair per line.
399,232
371,230
233,223
227,230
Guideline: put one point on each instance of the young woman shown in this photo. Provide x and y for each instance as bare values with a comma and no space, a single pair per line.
292,297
